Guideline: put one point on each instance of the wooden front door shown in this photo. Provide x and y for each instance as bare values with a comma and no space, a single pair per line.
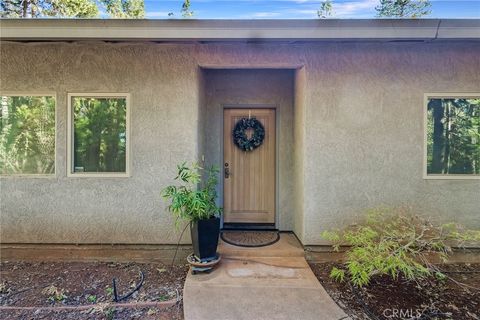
249,176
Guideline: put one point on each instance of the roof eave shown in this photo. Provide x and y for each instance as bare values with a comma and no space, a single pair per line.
240,30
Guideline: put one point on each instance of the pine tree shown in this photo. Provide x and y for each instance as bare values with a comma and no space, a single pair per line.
71,8
48,8
325,9
125,8
403,8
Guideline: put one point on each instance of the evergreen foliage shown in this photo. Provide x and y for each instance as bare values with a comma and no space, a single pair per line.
325,10
403,8
453,136
48,8
27,135
125,8
186,11
71,8
100,134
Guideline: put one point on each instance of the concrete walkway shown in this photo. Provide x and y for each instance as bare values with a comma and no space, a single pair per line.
273,282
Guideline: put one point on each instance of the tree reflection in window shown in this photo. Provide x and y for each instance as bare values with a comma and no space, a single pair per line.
453,136
99,138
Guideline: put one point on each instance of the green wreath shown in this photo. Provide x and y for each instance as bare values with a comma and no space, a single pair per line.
240,136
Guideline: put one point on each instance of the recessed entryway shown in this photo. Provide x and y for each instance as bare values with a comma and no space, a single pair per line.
256,186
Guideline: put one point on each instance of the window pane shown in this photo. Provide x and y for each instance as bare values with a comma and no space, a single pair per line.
99,134
27,135
453,136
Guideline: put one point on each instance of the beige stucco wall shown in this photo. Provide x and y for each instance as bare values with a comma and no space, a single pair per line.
358,136
164,117
299,130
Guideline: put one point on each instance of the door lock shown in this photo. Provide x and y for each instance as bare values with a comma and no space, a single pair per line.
226,171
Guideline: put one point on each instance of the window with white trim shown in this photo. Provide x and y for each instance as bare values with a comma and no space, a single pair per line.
27,134
98,135
452,125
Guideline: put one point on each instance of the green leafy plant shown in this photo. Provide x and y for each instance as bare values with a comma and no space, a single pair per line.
109,313
395,242
109,291
194,199
55,294
163,297
91,298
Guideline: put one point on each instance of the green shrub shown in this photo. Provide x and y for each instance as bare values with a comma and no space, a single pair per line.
393,243
195,198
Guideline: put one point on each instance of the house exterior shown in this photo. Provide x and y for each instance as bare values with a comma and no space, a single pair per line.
344,106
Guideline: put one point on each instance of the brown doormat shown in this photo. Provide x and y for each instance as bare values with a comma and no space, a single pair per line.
250,238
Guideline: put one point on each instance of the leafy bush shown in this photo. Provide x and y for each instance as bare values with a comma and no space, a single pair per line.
394,243
195,198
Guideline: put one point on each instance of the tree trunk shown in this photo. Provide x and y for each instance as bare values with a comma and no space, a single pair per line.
25,8
446,154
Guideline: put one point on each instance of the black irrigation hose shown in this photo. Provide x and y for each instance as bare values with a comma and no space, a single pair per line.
8,296
18,292
115,294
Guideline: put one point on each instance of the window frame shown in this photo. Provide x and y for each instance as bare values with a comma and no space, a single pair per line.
70,149
442,95
55,161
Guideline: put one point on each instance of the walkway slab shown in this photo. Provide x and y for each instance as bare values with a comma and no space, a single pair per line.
273,282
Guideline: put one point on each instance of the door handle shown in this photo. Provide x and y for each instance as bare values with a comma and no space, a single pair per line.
226,171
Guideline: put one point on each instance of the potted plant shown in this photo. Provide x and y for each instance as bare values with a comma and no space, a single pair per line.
194,201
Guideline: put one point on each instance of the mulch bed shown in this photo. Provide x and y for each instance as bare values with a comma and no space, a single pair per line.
26,285
90,284
385,298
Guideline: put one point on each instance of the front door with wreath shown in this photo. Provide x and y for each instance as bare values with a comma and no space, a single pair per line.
249,166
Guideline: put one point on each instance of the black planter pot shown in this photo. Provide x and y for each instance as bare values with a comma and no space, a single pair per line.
205,235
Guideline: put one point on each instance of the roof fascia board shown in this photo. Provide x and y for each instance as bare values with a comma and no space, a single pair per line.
232,30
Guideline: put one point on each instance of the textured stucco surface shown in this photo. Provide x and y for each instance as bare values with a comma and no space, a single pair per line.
299,151
358,133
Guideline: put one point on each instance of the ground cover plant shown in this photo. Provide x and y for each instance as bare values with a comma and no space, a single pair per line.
395,242
395,267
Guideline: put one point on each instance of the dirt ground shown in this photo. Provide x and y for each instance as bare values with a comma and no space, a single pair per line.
47,284
385,298
89,286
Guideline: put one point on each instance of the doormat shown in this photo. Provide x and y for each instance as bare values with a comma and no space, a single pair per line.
250,238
